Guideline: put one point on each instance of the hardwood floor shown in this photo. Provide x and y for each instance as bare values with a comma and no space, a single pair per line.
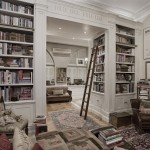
67,106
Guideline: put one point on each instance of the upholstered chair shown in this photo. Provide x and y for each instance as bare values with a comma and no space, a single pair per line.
9,120
141,114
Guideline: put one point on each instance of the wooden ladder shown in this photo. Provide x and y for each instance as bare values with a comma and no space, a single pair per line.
88,84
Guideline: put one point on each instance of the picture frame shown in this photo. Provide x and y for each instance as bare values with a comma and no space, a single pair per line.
80,62
147,70
146,46
61,75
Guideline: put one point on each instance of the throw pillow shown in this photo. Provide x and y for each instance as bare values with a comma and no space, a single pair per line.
145,107
21,141
2,122
119,148
57,92
9,120
37,147
4,143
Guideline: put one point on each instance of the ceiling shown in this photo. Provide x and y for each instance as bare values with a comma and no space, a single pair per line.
71,30
135,10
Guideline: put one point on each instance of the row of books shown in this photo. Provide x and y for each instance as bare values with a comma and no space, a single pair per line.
100,59
16,62
16,21
125,77
111,137
125,88
125,31
14,49
15,7
15,77
125,68
101,50
125,50
99,77
98,87
124,40
123,58
13,36
16,93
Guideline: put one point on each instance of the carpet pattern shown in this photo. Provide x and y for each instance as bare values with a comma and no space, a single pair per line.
139,142
71,119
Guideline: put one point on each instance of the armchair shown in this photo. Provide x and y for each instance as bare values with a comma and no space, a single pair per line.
9,121
140,119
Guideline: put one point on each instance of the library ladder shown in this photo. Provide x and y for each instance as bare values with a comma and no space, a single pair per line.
88,84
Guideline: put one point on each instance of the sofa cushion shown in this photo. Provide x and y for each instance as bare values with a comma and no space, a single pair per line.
4,143
49,90
145,107
57,92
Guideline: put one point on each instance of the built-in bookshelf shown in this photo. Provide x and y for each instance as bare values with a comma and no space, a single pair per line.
16,50
99,75
125,60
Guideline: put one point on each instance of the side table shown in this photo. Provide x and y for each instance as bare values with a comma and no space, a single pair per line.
119,119
40,125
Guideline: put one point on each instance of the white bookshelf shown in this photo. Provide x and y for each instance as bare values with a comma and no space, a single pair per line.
125,60
16,51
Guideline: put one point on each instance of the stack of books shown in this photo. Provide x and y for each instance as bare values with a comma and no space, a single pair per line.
111,137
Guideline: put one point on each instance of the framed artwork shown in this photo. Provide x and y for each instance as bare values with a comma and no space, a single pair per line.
146,43
61,75
80,62
147,70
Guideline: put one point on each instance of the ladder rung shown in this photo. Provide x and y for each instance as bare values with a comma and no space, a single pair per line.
83,109
87,93
85,101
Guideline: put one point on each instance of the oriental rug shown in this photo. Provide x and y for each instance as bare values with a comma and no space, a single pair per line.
139,142
71,119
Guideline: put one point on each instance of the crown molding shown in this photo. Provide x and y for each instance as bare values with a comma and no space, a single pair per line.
138,16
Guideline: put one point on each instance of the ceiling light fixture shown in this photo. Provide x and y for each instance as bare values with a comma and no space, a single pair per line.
73,38
59,28
84,32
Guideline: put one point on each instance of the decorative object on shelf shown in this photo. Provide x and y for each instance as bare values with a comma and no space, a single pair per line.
86,60
61,74
146,43
80,62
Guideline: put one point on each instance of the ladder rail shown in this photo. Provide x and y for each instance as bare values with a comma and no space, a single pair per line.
87,79
92,60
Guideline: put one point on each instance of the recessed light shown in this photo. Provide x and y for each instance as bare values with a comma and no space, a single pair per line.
84,32
73,38
59,28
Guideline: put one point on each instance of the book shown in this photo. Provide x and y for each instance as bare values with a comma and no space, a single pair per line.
109,132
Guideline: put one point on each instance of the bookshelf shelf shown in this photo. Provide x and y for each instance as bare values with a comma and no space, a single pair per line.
15,28
125,60
16,42
16,51
15,13
21,84
15,68
16,56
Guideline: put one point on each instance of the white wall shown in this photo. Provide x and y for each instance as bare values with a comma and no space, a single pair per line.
146,24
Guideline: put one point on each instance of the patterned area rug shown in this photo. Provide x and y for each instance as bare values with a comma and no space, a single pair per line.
71,119
139,142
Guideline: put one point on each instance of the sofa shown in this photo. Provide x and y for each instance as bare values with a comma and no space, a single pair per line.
58,94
